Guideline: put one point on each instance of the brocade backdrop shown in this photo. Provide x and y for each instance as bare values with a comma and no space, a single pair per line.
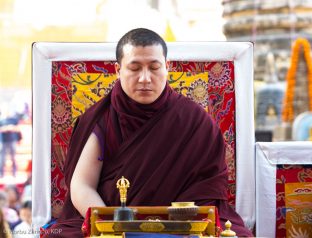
78,85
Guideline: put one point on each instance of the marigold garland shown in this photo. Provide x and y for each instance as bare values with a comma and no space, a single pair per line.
288,109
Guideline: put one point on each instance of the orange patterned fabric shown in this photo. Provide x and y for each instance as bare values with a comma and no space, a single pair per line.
298,201
77,85
293,201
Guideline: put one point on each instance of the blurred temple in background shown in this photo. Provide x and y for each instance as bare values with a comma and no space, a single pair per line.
273,26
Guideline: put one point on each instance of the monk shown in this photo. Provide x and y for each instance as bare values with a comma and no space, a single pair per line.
164,143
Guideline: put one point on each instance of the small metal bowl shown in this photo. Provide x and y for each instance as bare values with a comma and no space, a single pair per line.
182,211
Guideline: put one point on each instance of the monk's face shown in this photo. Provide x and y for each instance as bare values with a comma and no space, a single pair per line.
142,72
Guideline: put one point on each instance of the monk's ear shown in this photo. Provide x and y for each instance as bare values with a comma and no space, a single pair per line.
167,65
117,68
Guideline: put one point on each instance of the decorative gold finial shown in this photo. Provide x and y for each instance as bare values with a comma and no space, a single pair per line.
123,184
228,232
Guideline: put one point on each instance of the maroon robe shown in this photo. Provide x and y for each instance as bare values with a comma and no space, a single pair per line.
169,150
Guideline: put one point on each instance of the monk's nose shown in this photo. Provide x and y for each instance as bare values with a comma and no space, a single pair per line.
145,77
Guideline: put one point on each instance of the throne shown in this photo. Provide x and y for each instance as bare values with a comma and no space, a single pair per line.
69,77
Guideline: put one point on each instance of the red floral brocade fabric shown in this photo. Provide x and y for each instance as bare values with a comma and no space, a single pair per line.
293,201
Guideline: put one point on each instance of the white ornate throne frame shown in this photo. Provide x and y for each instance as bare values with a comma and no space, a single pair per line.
241,53
268,156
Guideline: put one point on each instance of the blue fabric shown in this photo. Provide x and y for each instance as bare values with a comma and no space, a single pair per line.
50,223
155,235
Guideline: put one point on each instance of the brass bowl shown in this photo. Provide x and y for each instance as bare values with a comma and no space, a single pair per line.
182,211
182,204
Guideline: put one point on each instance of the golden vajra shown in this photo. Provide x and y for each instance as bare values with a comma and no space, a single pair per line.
123,184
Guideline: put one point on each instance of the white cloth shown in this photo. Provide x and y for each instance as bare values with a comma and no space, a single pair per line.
23,230
10,215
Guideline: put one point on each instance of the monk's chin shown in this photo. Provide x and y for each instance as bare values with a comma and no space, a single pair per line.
145,99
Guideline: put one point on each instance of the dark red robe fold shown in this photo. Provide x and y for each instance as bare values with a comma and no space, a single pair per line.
170,150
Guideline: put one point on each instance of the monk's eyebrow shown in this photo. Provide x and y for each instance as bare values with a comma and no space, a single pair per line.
134,62
156,62
151,62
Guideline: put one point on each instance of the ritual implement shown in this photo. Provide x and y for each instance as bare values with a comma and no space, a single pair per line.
123,213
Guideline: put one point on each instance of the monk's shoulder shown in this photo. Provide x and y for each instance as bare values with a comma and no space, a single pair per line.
188,110
187,106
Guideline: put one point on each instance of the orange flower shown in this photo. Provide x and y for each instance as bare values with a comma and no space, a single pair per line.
288,109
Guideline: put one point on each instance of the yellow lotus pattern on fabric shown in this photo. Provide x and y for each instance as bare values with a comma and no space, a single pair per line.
298,203
89,88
